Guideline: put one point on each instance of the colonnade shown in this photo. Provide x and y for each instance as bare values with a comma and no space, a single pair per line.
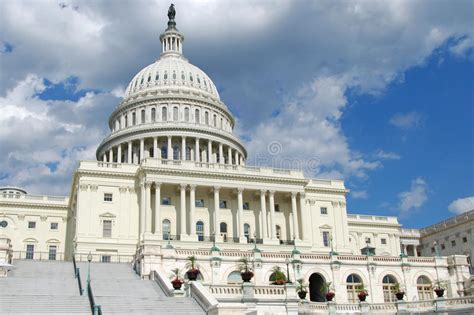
267,230
174,148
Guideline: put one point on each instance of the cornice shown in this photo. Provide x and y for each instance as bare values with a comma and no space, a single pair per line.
30,205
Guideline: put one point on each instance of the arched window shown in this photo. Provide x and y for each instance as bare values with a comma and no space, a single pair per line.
196,116
222,123
388,284
354,284
176,152
206,118
200,230
174,75
175,113
423,285
164,152
234,278
166,75
149,78
134,119
247,232
182,76
223,229
153,114
164,114
186,114
166,228
126,120
157,76
142,117
215,120
188,153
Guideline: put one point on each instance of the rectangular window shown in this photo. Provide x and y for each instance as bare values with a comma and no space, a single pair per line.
54,226
107,228
30,251
443,246
105,258
432,249
246,206
326,239
464,239
223,204
383,241
199,203
324,210
108,197
32,225
166,201
277,208
52,252
453,243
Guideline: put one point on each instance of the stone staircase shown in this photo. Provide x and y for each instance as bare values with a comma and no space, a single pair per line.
41,287
119,290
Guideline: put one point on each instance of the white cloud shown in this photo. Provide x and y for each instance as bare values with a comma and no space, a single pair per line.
462,205
361,194
415,197
406,120
384,155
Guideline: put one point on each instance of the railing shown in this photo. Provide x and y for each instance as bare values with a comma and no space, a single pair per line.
34,197
79,282
35,255
382,307
98,257
163,283
95,308
206,300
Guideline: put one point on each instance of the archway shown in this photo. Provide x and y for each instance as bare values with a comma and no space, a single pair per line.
316,288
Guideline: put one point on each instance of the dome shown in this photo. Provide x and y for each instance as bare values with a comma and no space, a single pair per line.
172,71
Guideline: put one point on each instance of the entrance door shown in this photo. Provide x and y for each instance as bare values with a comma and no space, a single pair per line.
316,288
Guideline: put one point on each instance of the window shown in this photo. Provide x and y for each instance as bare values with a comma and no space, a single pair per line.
30,251
443,246
143,116
176,152
32,225
423,286
52,252
200,230
186,114
223,204
388,286
354,284
432,249
246,206
107,228
166,228
175,113
153,114
206,118
383,241
164,114
105,258
166,201
199,203
324,210
278,232
326,239
157,76
277,208
247,232
108,197
453,243
215,120
134,119
164,152
126,121
188,153
53,226
464,239
368,240
196,116
234,278
223,230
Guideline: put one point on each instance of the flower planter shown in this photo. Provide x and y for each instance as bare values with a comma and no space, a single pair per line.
246,276
302,294
330,295
400,295
279,282
362,297
439,292
192,274
176,284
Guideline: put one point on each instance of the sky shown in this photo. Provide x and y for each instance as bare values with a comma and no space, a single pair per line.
377,93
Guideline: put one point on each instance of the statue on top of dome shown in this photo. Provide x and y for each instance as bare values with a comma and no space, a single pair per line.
171,12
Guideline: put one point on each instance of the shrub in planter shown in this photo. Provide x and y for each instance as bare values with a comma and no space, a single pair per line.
278,276
328,292
193,269
330,295
301,289
362,295
439,288
245,269
399,293
177,282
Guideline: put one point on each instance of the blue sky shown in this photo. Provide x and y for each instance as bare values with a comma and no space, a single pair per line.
379,94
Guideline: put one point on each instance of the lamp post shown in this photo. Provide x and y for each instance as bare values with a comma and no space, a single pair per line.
89,259
287,261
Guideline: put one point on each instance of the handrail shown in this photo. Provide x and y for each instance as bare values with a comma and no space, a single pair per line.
95,308
79,282
163,283
202,296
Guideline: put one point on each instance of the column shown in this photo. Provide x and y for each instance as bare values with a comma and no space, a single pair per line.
305,218
240,204
263,211
197,152
294,213
221,154
155,147
236,156
209,151
129,152
183,148
119,154
170,149
229,155
183,208
104,157
142,150
111,155
272,214
148,207
216,211
142,208
192,208
158,231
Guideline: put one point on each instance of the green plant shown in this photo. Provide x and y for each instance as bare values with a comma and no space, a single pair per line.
244,265
361,289
301,286
277,276
192,264
176,273
327,286
398,288
440,285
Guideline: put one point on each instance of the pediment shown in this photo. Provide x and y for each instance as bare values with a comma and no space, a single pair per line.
107,215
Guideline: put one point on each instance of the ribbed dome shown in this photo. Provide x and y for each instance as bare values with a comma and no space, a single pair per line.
172,70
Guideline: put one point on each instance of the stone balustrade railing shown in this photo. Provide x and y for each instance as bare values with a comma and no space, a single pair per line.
262,292
34,197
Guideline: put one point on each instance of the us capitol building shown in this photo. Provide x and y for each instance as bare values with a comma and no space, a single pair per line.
171,181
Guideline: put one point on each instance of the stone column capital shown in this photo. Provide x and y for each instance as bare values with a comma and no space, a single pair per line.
263,192
216,188
294,194
192,187
183,186
271,193
157,184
